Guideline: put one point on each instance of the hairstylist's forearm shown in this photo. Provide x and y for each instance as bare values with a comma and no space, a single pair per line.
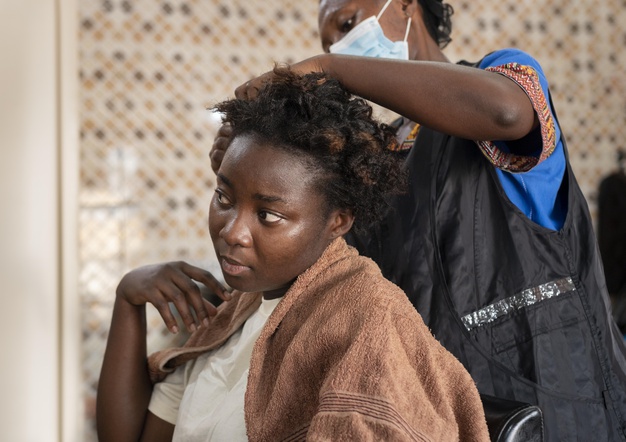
459,100
124,388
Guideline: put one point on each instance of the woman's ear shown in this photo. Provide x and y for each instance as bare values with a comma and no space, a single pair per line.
340,222
409,7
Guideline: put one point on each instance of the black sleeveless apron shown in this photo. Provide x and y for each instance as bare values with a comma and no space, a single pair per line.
524,308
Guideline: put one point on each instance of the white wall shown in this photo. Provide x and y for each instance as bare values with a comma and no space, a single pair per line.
31,268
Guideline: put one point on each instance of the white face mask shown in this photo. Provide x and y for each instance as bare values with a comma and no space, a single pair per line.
368,39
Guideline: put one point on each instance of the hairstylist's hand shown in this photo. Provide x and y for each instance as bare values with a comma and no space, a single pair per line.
250,89
220,145
160,284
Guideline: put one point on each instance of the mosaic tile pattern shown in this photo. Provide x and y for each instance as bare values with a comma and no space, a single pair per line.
148,72
149,69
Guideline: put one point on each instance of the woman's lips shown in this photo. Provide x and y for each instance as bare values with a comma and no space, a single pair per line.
232,267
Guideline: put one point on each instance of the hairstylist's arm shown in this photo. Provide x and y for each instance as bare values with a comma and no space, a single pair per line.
458,100
124,388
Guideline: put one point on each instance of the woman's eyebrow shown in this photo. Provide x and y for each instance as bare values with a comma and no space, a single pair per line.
225,180
268,198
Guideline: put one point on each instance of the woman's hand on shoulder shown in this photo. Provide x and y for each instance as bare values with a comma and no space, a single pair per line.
172,282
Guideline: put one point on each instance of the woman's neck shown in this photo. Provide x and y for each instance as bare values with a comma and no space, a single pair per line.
278,292
427,48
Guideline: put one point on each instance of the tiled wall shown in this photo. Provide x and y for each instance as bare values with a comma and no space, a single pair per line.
149,69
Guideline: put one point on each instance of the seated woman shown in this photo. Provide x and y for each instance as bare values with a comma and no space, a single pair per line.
313,343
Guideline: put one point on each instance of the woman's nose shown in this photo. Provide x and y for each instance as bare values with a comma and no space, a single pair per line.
236,232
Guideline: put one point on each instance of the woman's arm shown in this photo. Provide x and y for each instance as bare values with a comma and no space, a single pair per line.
156,429
458,100
124,389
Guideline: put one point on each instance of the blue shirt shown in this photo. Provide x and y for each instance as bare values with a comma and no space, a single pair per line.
534,192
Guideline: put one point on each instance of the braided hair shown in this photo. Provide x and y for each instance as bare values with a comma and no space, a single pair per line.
314,117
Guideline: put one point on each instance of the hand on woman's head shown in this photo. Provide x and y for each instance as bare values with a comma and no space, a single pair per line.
220,145
250,89
314,116
306,159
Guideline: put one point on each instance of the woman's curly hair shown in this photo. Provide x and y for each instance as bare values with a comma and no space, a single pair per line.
314,116
437,18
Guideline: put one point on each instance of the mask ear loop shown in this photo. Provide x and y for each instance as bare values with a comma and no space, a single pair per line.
408,23
383,10
408,27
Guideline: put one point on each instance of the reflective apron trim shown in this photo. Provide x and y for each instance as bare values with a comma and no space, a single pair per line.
523,299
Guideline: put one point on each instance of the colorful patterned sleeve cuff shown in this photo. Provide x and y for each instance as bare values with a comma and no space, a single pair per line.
526,77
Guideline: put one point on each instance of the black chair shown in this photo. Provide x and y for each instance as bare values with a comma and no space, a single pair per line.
512,421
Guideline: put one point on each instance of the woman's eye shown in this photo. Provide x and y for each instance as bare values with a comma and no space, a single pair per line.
222,199
269,217
347,25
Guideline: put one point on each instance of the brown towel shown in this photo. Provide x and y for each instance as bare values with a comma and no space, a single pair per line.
344,356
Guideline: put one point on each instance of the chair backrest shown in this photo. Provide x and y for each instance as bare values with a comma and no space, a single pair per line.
512,421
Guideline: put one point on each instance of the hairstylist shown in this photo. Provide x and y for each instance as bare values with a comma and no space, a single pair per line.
493,243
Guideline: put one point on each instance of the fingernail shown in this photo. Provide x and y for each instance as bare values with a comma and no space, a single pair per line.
192,328
205,321
174,329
